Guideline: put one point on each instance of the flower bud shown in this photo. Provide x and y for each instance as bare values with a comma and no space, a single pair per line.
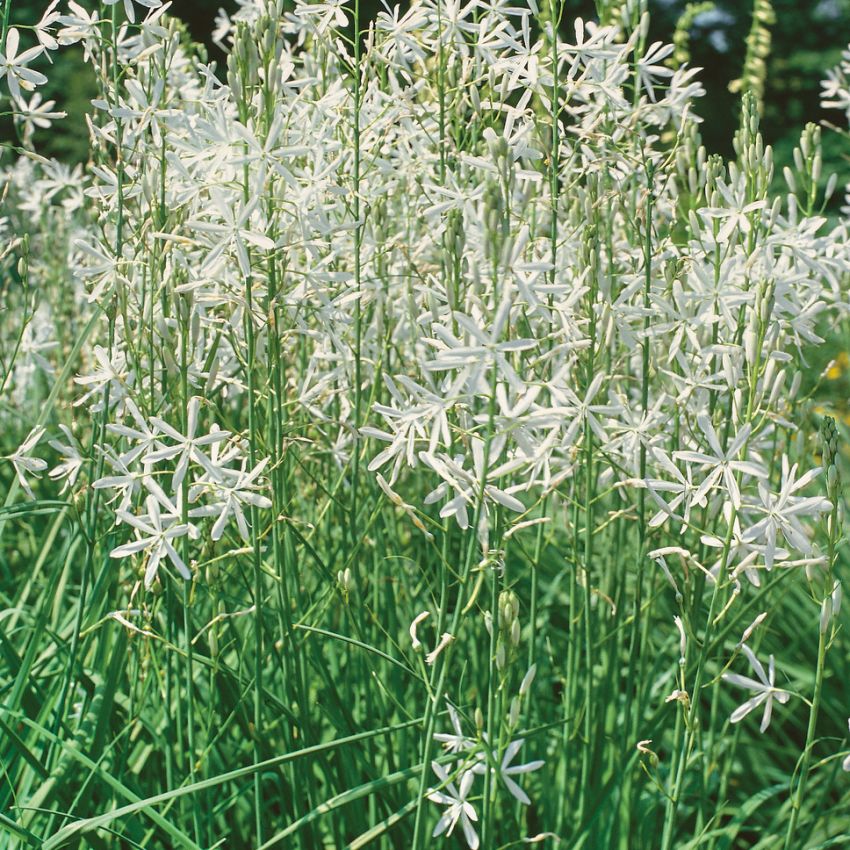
830,186
527,680
750,345
788,174
825,615
513,714
795,385
832,481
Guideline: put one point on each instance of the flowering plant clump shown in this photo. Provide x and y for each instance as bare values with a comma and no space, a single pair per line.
371,406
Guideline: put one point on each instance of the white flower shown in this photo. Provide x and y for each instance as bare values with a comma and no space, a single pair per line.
651,65
484,352
23,463
72,459
681,485
420,417
142,435
46,38
459,809
35,114
79,26
467,483
128,482
128,6
187,447
766,692
782,513
13,66
736,214
507,771
155,532
233,229
575,411
233,489
109,382
722,465
456,742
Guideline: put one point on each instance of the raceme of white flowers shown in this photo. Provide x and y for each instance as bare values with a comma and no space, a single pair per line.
479,284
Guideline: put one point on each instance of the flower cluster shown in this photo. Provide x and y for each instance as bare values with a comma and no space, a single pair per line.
461,278
456,783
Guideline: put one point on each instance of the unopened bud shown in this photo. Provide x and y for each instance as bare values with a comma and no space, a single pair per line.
832,480
825,614
788,174
830,186
513,714
505,616
527,680
795,385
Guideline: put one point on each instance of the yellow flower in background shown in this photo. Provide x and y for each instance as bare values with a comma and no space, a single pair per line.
838,366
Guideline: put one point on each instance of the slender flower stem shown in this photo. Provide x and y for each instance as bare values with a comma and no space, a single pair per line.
817,696
800,793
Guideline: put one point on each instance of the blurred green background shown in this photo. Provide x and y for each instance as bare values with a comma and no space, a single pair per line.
808,37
